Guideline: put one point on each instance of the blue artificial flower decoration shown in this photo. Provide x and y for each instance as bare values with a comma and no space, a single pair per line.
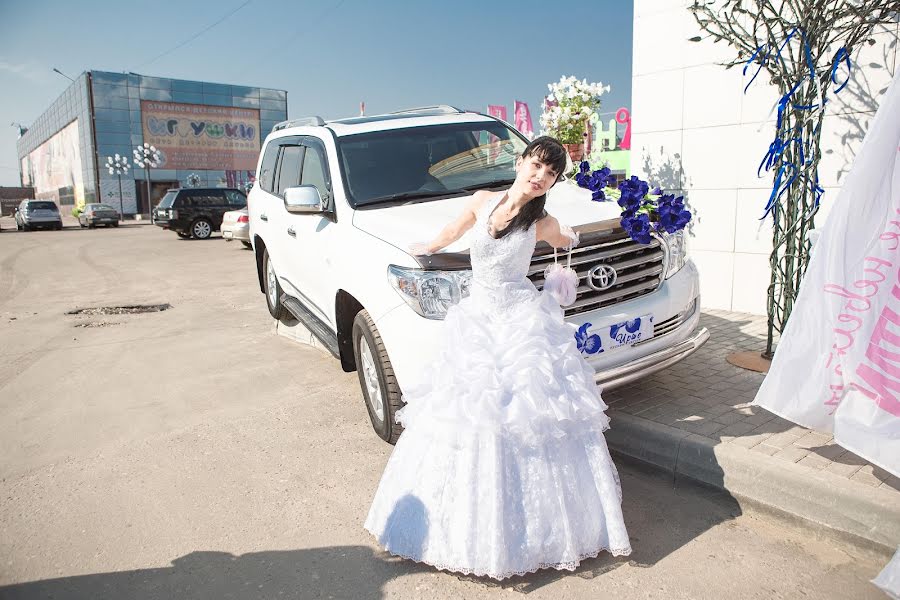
596,181
638,203
672,214
587,344
637,226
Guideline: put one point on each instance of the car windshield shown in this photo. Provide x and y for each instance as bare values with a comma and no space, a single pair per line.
41,206
168,200
421,163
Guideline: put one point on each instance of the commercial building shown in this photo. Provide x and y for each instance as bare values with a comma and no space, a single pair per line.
208,134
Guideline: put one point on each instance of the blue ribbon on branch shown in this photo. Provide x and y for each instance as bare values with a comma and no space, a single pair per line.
789,171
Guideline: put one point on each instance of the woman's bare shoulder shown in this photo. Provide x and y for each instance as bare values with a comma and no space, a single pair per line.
478,199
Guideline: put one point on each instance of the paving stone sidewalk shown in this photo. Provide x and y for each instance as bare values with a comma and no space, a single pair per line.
707,396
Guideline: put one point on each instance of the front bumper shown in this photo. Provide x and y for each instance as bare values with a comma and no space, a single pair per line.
651,363
410,338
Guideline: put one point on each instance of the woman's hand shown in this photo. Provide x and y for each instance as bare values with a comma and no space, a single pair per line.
419,249
570,233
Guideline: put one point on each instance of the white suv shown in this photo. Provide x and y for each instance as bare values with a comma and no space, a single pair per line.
337,204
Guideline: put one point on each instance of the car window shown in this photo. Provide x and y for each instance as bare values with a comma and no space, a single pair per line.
314,172
205,199
235,198
267,170
289,168
42,206
168,200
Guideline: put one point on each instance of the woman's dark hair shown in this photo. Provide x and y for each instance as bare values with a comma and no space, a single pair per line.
549,151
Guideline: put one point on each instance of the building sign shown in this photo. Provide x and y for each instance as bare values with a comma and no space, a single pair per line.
53,169
196,136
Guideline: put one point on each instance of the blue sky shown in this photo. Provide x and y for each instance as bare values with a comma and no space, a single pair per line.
328,54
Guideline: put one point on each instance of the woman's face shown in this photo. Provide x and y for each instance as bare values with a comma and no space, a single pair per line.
533,176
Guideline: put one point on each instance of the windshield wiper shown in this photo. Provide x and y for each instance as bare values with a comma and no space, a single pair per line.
419,195
488,184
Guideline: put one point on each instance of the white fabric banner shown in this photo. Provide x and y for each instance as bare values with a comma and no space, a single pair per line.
837,367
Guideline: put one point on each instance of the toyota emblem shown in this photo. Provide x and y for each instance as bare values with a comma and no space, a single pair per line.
602,277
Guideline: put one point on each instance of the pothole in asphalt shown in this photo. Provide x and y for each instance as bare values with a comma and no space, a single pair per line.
96,324
120,310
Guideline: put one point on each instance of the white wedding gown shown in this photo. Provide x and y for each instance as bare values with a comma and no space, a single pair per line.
502,468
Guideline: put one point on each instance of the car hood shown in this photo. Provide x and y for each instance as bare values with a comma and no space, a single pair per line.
421,222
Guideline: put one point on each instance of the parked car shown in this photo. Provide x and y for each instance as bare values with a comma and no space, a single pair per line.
196,212
236,226
338,203
38,214
98,214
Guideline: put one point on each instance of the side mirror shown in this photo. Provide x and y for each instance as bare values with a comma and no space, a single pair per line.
303,199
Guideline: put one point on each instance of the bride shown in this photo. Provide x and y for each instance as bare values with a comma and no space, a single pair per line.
502,468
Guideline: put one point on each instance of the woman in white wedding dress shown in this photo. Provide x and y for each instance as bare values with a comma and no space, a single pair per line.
502,468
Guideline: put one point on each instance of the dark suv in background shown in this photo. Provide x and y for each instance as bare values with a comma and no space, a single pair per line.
197,212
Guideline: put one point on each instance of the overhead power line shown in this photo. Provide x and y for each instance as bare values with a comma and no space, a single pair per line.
192,38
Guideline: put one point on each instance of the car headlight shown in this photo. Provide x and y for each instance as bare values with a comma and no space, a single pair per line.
430,293
677,244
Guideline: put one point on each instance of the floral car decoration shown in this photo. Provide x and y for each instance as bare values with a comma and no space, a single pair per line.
643,211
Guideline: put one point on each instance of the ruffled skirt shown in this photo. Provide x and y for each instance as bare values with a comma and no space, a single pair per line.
502,468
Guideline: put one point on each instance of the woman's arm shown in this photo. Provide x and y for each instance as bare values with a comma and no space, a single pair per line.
455,229
559,236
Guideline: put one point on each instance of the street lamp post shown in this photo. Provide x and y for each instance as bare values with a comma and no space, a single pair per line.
118,166
147,157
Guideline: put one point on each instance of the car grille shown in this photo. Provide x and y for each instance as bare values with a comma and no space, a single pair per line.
640,268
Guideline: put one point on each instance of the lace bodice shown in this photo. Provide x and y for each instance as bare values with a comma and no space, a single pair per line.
500,261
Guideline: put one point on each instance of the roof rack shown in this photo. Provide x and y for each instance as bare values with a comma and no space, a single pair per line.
438,108
315,121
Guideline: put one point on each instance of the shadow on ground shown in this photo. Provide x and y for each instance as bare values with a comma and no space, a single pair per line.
661,518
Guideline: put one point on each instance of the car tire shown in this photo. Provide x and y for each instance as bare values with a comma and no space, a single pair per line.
183,235
201,229
58,227
273,289
247,245
115,224
376,378
80,224
91,226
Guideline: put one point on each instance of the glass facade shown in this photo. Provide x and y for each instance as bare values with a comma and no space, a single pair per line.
209,133
55,154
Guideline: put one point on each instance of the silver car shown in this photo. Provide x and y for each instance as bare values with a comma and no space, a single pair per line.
98,214
35,214
236,226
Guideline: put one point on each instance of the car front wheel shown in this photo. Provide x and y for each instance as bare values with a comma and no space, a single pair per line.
201,229
376,378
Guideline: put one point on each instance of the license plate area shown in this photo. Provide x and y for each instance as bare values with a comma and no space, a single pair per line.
594,340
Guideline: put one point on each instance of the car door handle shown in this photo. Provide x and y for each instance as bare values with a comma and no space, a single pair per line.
263,217
291,232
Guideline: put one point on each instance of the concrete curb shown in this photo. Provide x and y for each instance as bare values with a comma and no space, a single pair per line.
850,509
